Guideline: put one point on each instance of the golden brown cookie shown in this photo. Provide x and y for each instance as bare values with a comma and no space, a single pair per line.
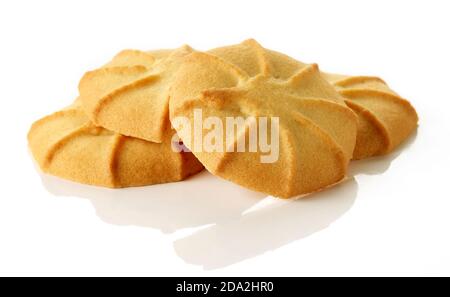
385,118
317,131
68,145
129,95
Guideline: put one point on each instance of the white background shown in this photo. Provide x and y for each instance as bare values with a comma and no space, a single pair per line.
392,217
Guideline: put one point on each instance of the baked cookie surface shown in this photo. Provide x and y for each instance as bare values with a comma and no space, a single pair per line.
385,119
129,95
66,144
317,131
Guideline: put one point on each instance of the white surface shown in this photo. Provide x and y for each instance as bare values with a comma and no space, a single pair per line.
391,218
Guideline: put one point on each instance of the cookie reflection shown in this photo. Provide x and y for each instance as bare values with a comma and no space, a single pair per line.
200,200
266,229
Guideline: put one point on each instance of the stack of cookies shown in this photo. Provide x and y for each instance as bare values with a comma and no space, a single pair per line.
136,121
